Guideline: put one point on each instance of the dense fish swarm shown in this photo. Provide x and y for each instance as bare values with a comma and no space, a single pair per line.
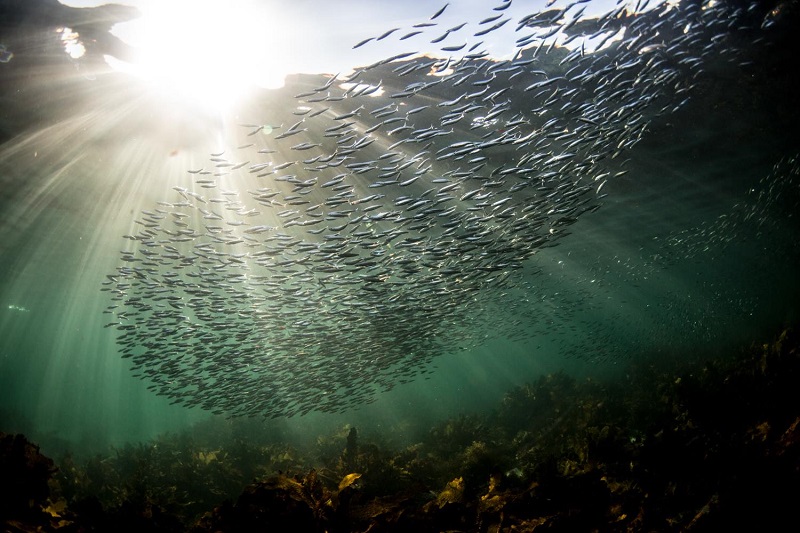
384,222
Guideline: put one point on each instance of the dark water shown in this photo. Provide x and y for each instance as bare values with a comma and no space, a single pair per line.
693,251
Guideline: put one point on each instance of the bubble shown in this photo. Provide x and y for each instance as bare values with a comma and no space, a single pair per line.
5,55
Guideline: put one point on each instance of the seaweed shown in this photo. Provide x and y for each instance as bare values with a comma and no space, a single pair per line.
704,445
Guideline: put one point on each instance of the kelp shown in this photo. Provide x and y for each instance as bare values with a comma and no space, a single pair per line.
704,446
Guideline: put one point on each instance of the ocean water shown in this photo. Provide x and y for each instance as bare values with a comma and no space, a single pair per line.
692,252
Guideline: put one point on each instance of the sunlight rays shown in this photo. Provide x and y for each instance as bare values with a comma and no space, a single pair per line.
207,52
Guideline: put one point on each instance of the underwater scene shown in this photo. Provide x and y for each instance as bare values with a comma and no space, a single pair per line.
478,265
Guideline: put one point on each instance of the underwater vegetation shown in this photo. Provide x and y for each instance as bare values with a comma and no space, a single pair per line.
692,445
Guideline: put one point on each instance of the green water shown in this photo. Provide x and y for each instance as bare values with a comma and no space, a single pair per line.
693,252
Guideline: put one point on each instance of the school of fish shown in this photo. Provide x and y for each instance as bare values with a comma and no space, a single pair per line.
383,217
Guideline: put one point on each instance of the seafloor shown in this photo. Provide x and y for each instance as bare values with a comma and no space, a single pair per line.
693,445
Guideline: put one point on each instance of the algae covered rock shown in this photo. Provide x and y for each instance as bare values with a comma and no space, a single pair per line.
24,477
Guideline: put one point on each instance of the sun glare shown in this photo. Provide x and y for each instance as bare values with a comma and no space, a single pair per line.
210,52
